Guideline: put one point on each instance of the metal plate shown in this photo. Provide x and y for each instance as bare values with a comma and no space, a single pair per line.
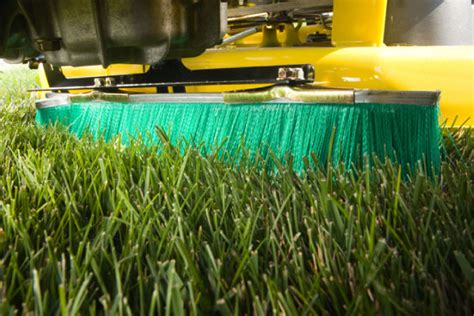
420,98
428,98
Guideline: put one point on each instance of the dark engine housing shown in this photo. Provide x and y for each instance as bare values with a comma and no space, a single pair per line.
91,32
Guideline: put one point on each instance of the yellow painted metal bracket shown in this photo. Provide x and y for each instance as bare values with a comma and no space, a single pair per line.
98,71
359,22
449,69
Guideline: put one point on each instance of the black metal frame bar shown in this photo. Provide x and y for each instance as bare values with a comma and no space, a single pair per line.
174,74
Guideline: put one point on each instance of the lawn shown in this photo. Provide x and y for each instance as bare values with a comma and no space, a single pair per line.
89,227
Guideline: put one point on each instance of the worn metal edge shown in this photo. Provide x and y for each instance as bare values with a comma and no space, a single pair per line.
53,100
325,96
424,98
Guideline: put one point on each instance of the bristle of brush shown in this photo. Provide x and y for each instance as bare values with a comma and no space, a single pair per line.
335,133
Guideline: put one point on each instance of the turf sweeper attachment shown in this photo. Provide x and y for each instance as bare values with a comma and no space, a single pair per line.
346,125
298,77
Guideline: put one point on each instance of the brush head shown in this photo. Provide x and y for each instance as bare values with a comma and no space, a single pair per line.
332,126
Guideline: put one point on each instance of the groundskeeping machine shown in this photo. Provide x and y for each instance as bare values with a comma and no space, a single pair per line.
339,80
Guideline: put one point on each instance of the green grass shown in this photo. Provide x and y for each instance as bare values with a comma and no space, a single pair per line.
96,228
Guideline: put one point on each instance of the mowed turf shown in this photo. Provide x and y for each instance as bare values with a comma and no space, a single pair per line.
97,228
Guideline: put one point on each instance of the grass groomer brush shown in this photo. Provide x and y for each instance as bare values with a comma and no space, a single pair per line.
341,125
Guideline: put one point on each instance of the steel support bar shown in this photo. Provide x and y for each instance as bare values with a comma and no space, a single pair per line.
175,74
